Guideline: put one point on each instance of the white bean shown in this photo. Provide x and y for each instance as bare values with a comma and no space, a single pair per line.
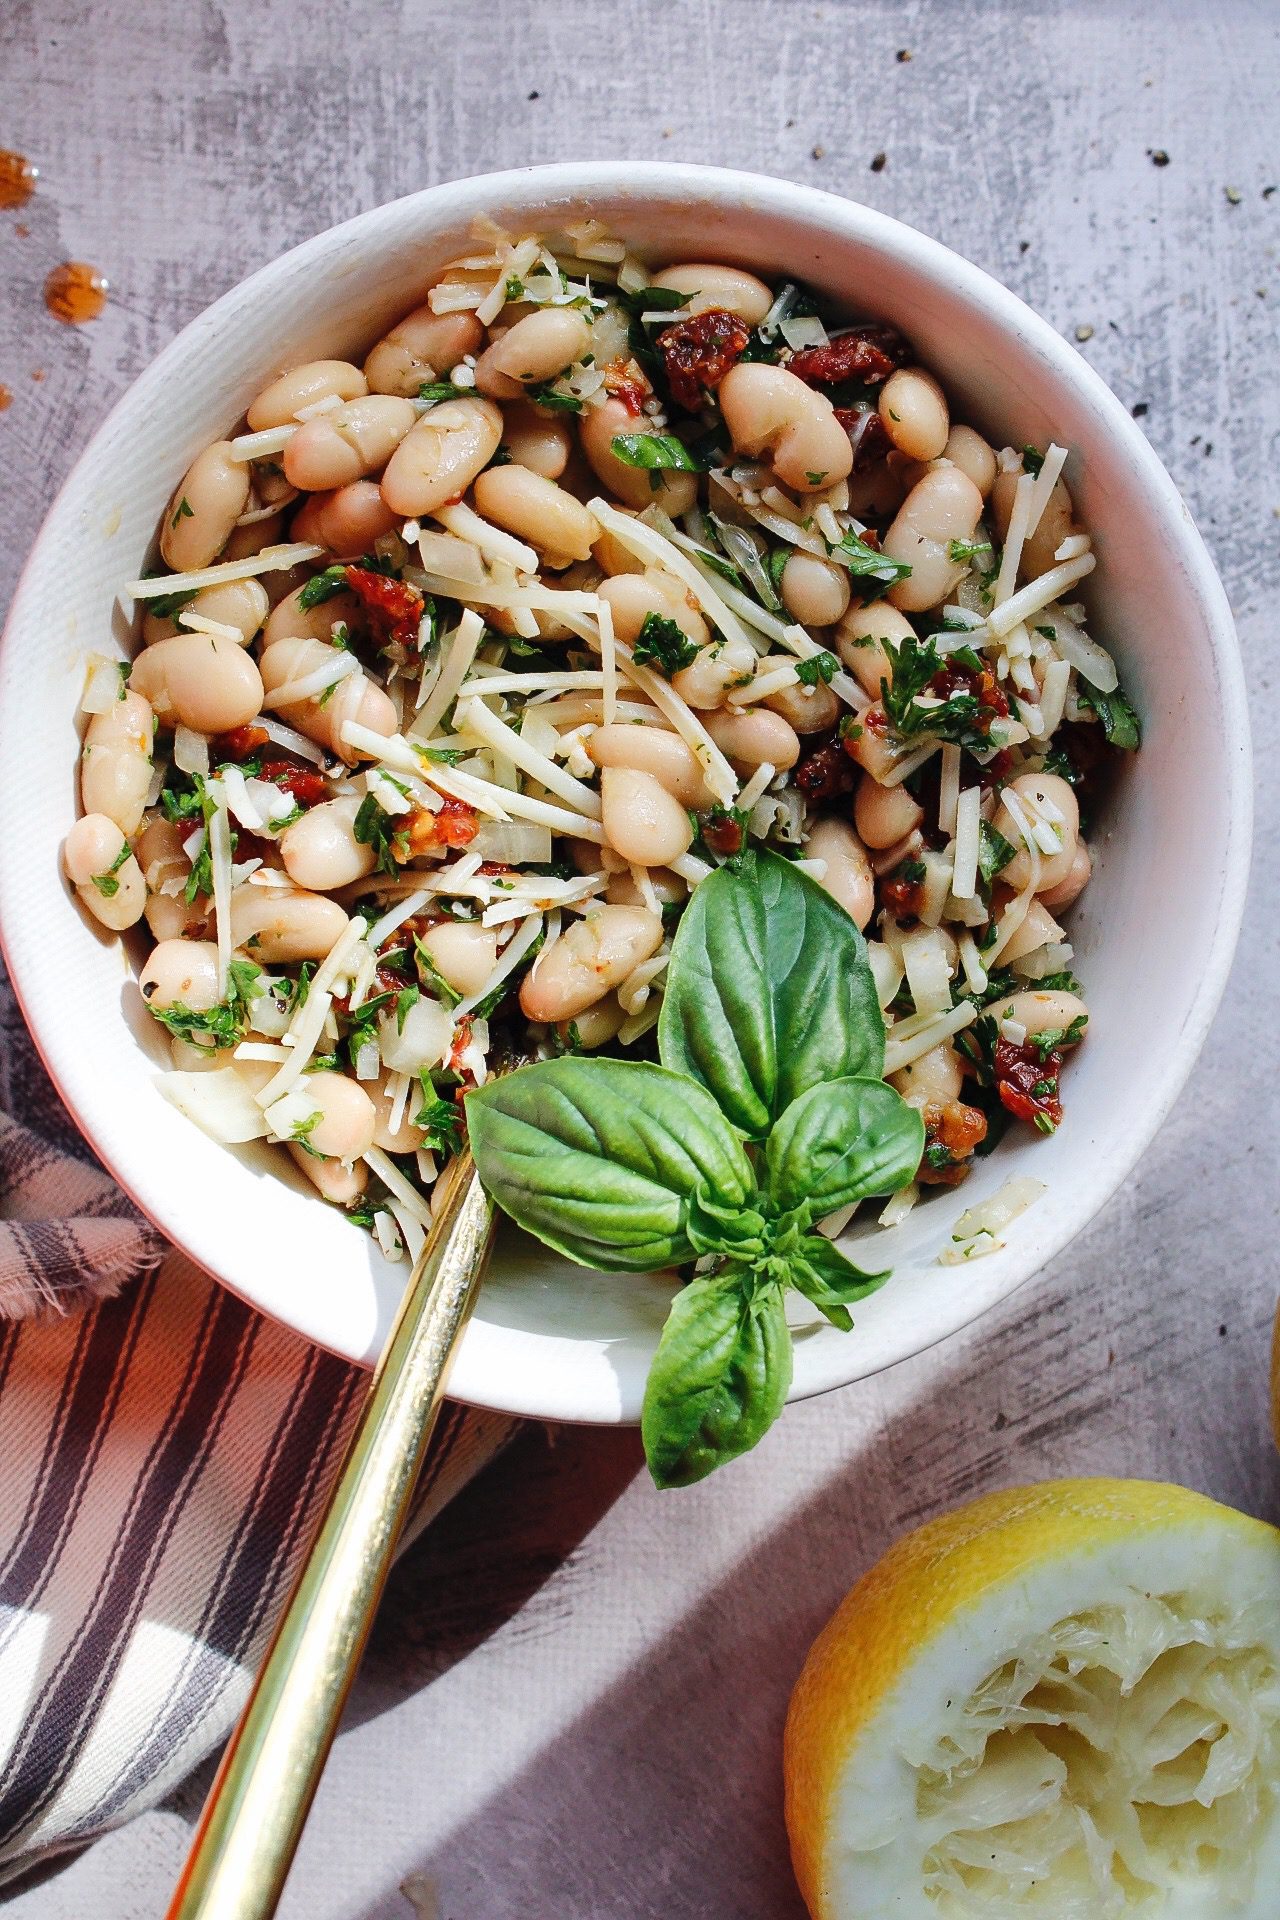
541,442
279,404
884,815
848,878
321,851
1056,524
199,680
942,507
181,973
1058,899
714,672
333,1179
347,1120
587,961
914,410
115,763
357,700
463,953
163,860
241,604
632,597
936,1079
1040,1012
420,349
290,621
537,510
280,928
199,519
814,592
974,457
594,1026
865,640
336,448
1037,929
808,709
101,867
642,821
874,747
751,740
404,1137
347,521
597,429
768,410
537,348
1031,790
651,750
731,289
439,458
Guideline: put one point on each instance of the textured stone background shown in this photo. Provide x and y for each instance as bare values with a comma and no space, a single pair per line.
574,1699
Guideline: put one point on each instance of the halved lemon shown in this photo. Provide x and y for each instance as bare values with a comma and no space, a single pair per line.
1059,1703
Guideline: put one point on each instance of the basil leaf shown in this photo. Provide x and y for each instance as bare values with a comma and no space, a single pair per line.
719,1378
654,451
599,1158
831,1281
769,992
840,1142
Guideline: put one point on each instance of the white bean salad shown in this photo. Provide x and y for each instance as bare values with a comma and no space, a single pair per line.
462,668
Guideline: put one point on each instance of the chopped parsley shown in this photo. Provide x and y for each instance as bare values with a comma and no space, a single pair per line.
322,587
434,391
547,394
166,605
183,511
1053,1039
961,719
106,883
654,452
994,851
434,979
220,1026
1119,721
439,1119
1058,983
869,564
374,828
965,552
1032,461
663,645
819,666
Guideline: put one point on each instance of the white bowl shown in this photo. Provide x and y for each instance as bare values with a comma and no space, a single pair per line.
1153,934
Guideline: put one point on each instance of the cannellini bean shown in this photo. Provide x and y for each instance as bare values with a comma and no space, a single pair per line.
279,927
333,1179
884,815
421,348
241,604
750,740
715,671
1031,789
181,973
403,1138
613,558
934,1080
874,748
848,878
439,458
942,507
732,289
642,821
162,858
588,960
347,1120
463,953
347,521
202,514
864,640
321,851
279,404
648,750
542,442
974,457
633,597
914,410
1037,929
808,709
594,1026
537,348
252,538
290,621
1040,1012
877,491
357,700
768,410
101,867
336,448
1056,524
199,680
1058,899
814,592
537,510
115,762
668,887
597,429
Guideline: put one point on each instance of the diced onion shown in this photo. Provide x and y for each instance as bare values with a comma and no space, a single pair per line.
924,956
190,751
104,685
1091,661
975,1231
219,1101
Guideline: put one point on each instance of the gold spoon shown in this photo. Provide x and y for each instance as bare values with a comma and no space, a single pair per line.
253,1819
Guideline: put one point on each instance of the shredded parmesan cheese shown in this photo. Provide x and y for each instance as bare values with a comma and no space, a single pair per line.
270,560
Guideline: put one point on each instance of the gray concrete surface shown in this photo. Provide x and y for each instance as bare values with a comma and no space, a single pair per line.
573,1703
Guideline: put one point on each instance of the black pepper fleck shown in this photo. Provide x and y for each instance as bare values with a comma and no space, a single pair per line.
1140,408
1158,156
1024,246
904,54
1267,192
879,163
535,95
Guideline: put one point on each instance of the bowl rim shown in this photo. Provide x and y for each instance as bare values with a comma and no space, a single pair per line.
537,187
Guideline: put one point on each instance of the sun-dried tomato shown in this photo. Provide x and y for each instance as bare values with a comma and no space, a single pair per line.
869,435
394,608
461,1041
826,773
950,1135
252,846
996,769
624,381
238,744
863,353
1027,1082
903,893
454,824
307,786
724,832
699,351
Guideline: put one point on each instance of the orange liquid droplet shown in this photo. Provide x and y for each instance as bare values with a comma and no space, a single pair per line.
75,292
6,398
17,179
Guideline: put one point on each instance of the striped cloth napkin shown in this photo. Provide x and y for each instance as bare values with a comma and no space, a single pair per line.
164,1454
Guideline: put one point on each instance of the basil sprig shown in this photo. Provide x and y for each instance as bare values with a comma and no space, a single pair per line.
767,1114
